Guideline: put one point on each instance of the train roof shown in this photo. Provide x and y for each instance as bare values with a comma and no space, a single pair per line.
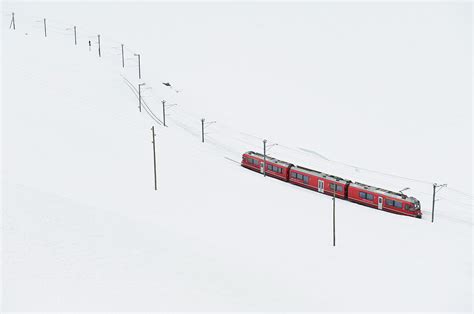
321,174
270,159
388,193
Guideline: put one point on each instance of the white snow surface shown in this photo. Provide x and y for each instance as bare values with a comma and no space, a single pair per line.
83,229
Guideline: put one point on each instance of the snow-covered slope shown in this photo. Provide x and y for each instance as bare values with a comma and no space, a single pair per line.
83,229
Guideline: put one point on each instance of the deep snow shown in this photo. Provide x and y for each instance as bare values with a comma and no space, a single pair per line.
83,229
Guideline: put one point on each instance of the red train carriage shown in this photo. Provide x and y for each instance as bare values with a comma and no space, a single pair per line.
275,168
318,181
328,184
384,200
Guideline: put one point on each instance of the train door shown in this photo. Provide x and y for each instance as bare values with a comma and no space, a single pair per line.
261,167
380,202
321,186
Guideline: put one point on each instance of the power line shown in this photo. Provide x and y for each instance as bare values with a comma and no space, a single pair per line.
58,27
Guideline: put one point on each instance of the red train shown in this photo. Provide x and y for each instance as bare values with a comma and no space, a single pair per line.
328,184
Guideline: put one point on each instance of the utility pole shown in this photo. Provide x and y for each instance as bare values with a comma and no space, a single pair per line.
164,114
98,39
44,23
12,23
334,216
139,67
439,187
154,153
202,130
432,208
140,96
75,36
203,125
264,158
123,60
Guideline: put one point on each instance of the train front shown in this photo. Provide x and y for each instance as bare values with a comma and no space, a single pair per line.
416,208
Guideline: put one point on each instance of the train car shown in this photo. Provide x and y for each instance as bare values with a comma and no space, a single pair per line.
319,181
275,168
360,193
384,200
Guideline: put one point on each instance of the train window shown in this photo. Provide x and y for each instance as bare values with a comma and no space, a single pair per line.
338,187
362,195
409,207
299,176
274,168
388,202
269,167
305,179
398,204
293,174
370,197
331,186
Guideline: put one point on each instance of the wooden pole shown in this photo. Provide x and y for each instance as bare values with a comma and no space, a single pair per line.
139,68
264,158
98,39
75,36
123,60
154,154
202,130
140,97
12,23
334,217
164,114
434,196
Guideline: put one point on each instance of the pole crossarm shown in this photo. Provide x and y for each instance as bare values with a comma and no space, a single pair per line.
439,187
271,146
206,124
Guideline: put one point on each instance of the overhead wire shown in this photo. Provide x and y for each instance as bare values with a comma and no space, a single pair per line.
57,27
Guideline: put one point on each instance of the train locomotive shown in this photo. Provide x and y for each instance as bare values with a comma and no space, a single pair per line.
356,192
